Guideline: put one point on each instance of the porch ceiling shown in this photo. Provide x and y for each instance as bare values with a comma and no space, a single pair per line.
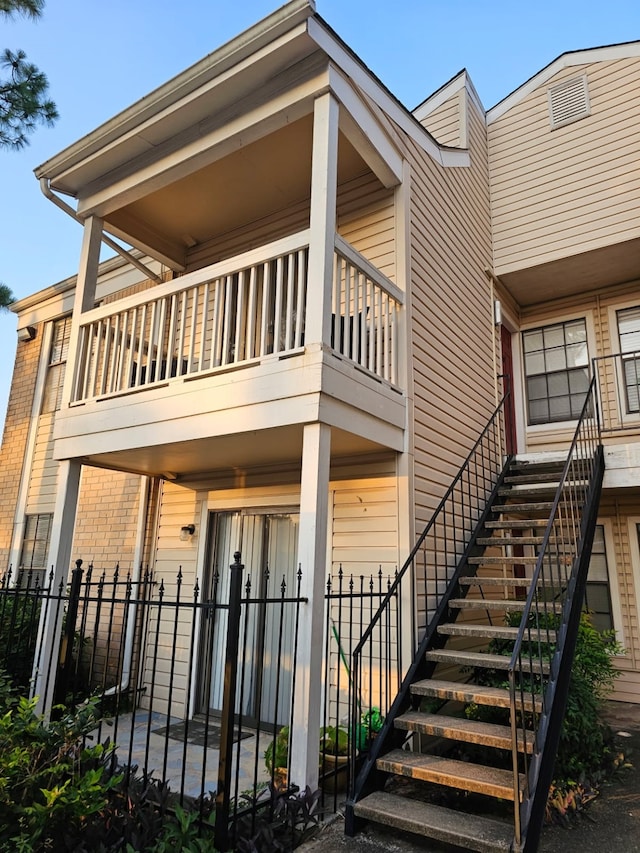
254,181
575,274
229,455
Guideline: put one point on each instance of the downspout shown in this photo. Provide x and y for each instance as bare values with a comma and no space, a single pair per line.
120,250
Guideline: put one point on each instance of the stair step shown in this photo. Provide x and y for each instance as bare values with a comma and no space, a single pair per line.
494,561
517,493
469,731
526,465
542,507
504,604
489,632
517,524
501,541
457,691
476,580
482,659
440,824
462,775
535,477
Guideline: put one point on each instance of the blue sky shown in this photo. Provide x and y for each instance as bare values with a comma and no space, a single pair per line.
100,57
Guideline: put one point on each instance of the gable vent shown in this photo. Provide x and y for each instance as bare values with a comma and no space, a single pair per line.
568,101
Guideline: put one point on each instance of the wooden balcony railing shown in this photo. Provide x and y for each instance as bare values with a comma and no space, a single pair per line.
235,313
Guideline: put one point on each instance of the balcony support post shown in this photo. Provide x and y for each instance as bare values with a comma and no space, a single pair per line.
312,554
322,222
84,299
59,558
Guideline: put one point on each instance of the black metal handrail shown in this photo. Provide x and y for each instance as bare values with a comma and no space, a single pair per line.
618,385
549,622
379,676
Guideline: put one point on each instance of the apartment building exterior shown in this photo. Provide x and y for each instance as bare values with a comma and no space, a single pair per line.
328,296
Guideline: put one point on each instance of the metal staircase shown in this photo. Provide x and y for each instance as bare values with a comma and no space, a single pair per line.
473,726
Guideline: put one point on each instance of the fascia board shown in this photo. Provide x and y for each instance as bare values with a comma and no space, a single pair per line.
567,60
365,132
446,92
105,197
289,17
370,85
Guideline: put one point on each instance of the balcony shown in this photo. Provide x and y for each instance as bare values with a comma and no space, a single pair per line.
191,352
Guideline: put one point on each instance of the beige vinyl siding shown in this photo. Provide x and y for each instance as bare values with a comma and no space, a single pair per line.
452,328
41,496
599,308
445,122
541,210
363,539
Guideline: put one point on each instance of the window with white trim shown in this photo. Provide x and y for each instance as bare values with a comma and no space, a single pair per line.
35,544
556,367
597,596
57,364
629,333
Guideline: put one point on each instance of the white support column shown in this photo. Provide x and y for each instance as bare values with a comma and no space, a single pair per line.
85,297
312,552
322,220
64,516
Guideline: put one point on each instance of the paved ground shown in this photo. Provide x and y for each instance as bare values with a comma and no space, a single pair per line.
609,824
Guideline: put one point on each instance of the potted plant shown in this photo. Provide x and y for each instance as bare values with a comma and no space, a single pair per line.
276,758
334,758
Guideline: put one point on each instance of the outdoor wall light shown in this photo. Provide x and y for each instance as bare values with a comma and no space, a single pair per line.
187,531
26,333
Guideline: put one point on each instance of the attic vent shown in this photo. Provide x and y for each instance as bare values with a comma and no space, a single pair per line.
568,101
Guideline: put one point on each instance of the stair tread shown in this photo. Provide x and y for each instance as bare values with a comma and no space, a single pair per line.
476,580
501,541
458,728
533,506
487,604
535,477
481,834
497,697
492,561
463,775
501,632
481,659
516,524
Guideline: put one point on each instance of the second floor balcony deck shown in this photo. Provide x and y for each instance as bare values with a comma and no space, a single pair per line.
177,349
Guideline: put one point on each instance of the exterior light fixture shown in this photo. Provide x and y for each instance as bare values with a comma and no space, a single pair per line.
26,333
186,532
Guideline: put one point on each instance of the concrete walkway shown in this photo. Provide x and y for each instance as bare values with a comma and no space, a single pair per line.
610,824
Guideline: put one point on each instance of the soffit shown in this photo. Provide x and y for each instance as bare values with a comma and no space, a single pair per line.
247,185
575,274
228,456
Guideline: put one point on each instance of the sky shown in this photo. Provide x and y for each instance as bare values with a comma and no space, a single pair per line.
101,57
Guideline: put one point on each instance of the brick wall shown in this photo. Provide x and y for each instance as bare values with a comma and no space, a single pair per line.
15,436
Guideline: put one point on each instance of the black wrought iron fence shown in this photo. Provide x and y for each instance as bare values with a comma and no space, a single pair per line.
196,688
617,378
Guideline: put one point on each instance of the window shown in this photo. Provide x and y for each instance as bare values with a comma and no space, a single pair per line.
556,362
35,544
57,363
597,596
629,332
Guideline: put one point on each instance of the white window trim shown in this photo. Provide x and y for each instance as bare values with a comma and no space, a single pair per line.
633,522
631,418
612,571
555,426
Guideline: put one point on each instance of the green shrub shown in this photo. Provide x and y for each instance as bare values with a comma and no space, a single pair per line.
50,783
